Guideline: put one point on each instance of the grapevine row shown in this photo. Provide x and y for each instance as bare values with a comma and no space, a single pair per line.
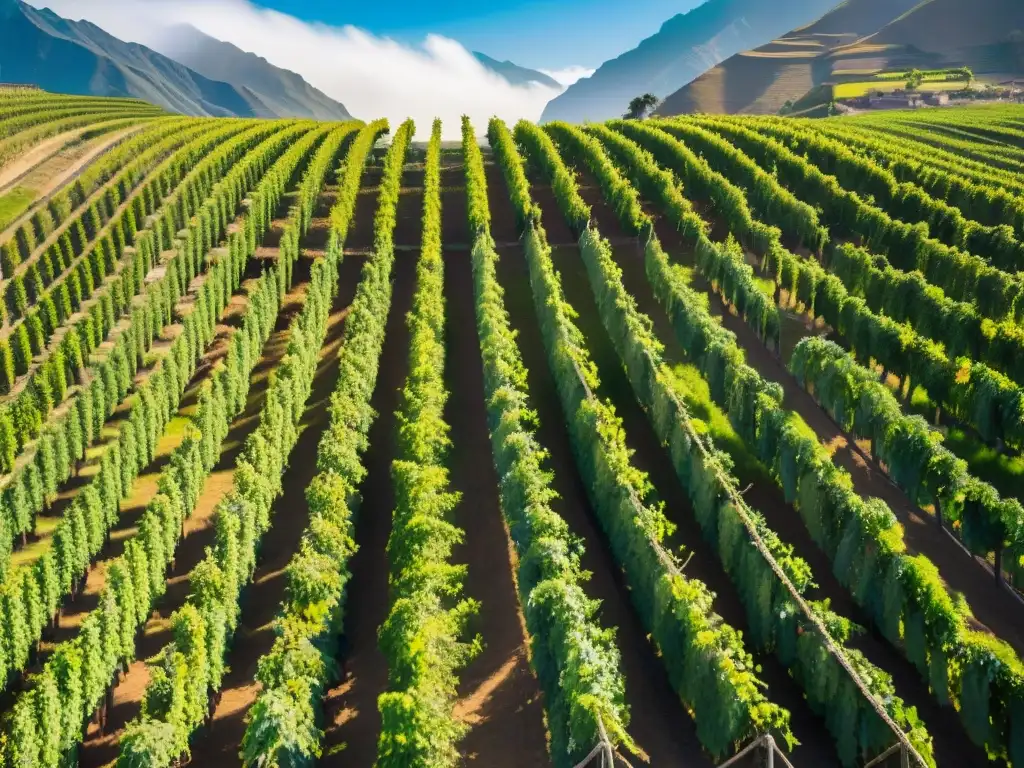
31,595
22,418
37,477
22,133
57,366
962,276
977,673
17,103
422,635
707,663
46,723
702,470
964,151
58,233
724,265
282,726
189,671
974,392
993,152
903,595
576,660
905,201
59,207
942,177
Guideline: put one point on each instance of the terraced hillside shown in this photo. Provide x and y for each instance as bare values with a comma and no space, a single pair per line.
850,43
329,443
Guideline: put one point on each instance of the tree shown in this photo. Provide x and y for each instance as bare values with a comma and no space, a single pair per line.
8,442
22,350
7,374
915,79
642,106
967,75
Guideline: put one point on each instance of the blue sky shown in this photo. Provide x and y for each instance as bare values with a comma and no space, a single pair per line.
549,34
398,59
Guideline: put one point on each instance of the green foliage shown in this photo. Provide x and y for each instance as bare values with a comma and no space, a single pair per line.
283,724
962,275
869,554
723,265
766,571
137,578
696,645
421,636
538,146
641,106
227,181
576,660
913,453
583,150
181,695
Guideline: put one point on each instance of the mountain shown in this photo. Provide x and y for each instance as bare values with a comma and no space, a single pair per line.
857,37
76,57
686,46
283,93
515,74
955,29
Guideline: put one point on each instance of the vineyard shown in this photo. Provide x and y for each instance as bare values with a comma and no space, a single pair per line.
686,441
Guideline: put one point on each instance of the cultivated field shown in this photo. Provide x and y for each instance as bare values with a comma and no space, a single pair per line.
569,445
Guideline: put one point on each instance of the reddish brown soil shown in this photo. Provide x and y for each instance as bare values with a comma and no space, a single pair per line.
61,169
360,233
73,608
994,609
702,564
409,216
555,226
100,748
499,696
220,743
352,731
660,723
766,497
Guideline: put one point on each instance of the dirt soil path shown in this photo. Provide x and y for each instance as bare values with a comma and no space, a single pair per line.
702,564
352,730
660,723
767,498
261,601
12,172
46,522
101,747
61,169
499,696
995,609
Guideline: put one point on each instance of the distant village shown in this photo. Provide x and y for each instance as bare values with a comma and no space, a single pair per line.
902,98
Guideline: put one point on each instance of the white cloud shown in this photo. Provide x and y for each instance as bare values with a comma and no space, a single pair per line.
569,75
372,76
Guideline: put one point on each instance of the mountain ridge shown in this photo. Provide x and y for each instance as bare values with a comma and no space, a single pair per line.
285,93
856,35
37,46
684,47
515,74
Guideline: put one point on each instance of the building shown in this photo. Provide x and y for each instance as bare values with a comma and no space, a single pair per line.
896,100
1015,87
